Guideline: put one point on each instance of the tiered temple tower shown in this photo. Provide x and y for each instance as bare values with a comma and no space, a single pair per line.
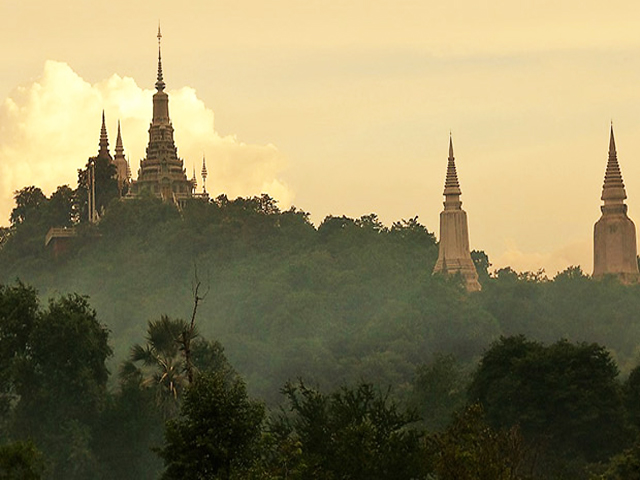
122,166
454,256
103,145
614,235
105,157
162,172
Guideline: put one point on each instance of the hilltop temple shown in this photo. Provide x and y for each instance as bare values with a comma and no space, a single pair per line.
161,172
614,234
454,256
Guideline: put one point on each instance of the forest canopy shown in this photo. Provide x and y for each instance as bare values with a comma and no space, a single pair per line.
328,317
351,299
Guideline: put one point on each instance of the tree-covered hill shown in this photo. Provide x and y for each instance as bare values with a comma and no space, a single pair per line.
347,301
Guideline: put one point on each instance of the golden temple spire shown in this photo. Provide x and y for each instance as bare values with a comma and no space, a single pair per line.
160,82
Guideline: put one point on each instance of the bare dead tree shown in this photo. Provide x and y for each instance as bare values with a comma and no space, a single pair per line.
189,334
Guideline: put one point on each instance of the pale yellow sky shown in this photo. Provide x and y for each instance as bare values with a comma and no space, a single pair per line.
345,107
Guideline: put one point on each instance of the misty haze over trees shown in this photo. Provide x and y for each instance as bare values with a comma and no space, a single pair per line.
328,352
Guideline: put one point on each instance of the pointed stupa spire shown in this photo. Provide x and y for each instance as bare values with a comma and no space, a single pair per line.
119,147
450,145
452,190
612,142
104,140
160,82
613,191
614,234
454,256
204,175
120,162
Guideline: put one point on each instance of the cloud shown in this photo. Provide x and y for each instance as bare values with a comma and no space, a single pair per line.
556,261
50,127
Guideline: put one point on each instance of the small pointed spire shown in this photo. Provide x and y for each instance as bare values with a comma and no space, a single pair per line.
451,185
119,147
204,175
104,140
204,167
613,188
160,83
612,142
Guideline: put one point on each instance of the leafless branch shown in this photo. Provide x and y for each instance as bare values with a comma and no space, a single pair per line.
188,335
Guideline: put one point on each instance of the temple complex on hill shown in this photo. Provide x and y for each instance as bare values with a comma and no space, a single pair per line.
454,256
614,234
162,172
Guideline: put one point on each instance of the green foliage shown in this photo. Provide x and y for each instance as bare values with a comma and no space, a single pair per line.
623,466
61,208
106,186
471,450
350,301
64,375
152,383
18,316
572,306
217,432
130,428
359,301
21,461
35,209
352,433
28,203
137,219
565,396
160,364
439,390
482,264
32,217
631,395
53,376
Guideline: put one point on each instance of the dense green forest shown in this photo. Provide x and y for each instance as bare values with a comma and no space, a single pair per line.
350,300
343,326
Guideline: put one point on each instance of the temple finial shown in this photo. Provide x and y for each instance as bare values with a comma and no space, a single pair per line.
612,142
613,191
104,140
451,185
119,147
204,175
160,83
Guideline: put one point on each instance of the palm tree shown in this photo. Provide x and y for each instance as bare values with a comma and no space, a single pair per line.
160,363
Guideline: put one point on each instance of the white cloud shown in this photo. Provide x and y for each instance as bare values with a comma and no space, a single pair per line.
50,127
572,254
